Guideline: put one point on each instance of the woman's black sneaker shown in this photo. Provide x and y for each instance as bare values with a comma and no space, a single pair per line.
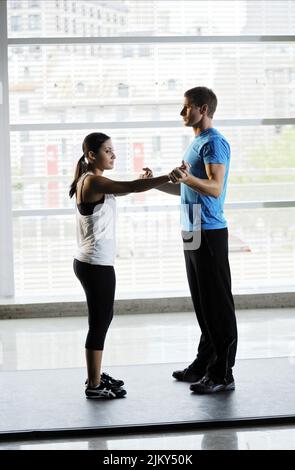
105,391
107,379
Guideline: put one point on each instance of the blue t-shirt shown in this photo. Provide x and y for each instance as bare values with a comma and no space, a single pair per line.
208,147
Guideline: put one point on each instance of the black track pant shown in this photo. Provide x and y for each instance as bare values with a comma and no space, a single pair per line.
99,284
209,278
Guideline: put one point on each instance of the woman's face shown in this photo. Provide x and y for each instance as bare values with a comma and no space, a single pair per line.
106,156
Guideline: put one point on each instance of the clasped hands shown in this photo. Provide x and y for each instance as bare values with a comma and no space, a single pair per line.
178,175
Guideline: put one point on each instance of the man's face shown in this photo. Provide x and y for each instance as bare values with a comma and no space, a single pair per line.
191,113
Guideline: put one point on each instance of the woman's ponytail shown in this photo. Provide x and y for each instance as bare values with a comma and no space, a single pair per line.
81,168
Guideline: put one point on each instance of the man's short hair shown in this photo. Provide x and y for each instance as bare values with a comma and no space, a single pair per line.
202,95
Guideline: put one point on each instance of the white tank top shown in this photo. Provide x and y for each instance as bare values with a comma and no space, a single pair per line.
96,233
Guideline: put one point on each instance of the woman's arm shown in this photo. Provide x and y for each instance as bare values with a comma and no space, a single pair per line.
101,185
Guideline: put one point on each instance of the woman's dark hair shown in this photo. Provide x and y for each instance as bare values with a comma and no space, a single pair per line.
92,142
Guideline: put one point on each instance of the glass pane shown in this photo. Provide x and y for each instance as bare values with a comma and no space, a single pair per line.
145,82
64,18
118,83
43,163
262,243
262,253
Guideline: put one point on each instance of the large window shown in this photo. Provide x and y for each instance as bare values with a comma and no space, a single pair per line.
121,67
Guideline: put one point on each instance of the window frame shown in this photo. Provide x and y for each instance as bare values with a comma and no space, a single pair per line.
6,240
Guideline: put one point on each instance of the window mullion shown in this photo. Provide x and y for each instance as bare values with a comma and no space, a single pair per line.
6,237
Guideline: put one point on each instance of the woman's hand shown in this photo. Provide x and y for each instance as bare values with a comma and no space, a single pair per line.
147,173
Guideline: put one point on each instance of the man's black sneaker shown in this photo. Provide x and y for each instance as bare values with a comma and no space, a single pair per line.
187,375
207,385
105,391
107,379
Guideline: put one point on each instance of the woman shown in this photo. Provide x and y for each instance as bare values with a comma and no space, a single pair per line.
94,259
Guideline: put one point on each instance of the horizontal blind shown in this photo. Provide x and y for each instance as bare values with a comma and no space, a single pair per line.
64,18
49,85
149,253
262,165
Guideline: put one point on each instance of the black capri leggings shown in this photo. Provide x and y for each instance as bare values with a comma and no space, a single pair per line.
99,283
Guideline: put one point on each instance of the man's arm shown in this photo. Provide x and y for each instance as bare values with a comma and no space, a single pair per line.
212,186
170,188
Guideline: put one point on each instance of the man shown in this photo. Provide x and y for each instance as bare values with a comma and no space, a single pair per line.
203,181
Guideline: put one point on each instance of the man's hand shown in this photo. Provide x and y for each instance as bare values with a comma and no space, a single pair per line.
180,174
185,165
147,173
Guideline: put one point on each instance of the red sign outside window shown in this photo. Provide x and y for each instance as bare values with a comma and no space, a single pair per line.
52,169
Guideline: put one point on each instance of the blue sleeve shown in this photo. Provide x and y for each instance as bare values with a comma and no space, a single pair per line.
215,151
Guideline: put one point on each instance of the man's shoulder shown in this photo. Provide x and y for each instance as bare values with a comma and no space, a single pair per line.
216,149
211,142
216,135
210,135
215,141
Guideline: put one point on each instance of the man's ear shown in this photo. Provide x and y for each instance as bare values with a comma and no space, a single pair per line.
204,109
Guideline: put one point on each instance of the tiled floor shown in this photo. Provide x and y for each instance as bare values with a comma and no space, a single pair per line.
141,339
